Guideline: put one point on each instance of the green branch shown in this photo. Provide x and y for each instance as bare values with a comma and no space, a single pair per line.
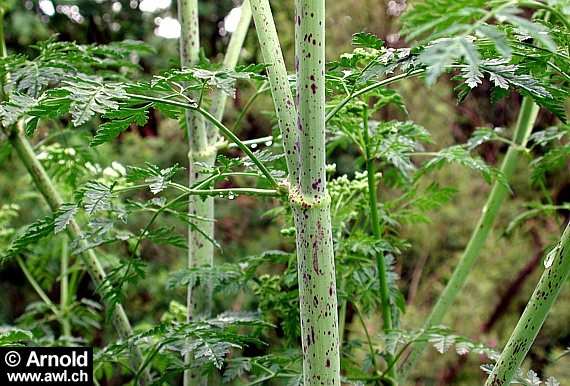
371,87
279,83
230,60
93,266
526,119
375,221
557,264
219,125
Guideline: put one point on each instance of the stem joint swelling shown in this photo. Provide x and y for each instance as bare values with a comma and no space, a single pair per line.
305,201
203,154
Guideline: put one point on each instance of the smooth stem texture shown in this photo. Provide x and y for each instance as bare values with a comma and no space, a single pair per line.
64,288
36,286
557,264
371,87
342,311
203,140
242,145
368,339
93,266
526,119
375,221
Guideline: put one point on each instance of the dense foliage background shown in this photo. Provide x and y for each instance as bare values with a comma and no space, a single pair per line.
495,294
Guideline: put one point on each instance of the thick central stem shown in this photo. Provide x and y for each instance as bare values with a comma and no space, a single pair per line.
200,249
311,203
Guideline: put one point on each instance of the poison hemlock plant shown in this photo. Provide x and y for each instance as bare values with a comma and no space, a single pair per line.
348,243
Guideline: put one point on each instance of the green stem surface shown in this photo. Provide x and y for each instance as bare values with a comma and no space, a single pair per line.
203,137
311,204
279,83
557,264
375,221
526,119
200,249
54,200
230,61
304,144
48,191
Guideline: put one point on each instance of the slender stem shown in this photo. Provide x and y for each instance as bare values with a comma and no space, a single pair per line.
235,191
557,264
371,87
47,189
200,249
54,200
37,286
3,53
250,142
342,312
202,142
248,105
147,361
375,221
279,82
219,125
370,345
242,147
526,119
64,288
535,4
230,60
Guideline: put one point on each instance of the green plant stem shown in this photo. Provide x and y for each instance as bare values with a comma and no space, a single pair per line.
94,268
526,119
203,150
220,126
3,52
368,339
311,203
47,189
537,5
342,312
36,286
230,60
255,141
64,289
553,278
371,87
200,248
248,105
304,144
279,83
375,221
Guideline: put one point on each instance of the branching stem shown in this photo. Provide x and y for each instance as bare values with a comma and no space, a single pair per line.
526,119
375,222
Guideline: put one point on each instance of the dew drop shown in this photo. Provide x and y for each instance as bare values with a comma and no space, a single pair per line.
253,145
231,196
549,260
268,143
